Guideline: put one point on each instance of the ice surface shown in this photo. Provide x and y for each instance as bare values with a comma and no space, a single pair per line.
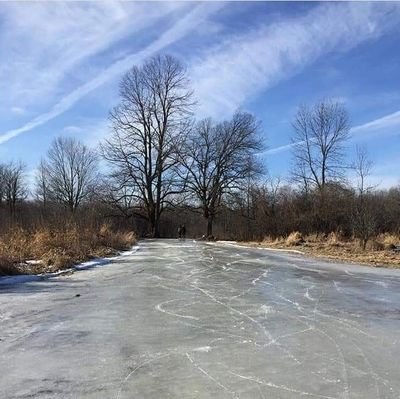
192,320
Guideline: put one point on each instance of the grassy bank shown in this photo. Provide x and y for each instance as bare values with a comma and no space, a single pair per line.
52,249
379,251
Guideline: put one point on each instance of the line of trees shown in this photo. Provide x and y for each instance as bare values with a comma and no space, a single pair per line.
165,168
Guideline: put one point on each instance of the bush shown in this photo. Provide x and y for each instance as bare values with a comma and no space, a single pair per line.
7,266
116,240
374,245
335,239
294,239
16,244
389,241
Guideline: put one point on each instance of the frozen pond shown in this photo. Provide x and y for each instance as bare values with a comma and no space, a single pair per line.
179,319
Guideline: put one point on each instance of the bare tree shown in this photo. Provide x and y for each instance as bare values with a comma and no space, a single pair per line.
362,167
120,198
42,183
2,184
364,214
13,185
268,196
148,131
320,134
70,172
219,159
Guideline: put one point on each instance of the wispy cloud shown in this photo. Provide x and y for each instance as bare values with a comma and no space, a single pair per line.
229,74
383,126
279,149
386,122
89,131
173,34
43,42
18,110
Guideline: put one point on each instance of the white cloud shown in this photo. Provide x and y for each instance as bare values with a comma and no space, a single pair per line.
44,41
71,129
18,110
176,32
90,131
231,73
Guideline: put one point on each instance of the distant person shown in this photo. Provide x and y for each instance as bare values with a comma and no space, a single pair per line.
183,231
180,232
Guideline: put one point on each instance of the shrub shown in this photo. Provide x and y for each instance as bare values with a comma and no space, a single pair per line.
389,241
334,239
7,266
116,240
374,245
16,244
294,239
57,260
268,240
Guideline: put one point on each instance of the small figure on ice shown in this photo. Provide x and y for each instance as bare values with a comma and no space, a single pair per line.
182,231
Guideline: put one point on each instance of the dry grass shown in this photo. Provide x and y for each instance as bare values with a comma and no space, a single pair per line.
389,241
58,248
294,239
8,267
379,251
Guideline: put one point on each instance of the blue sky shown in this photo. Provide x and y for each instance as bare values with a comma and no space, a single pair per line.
61,64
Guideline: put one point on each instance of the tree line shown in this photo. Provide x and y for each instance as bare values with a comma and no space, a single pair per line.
165,168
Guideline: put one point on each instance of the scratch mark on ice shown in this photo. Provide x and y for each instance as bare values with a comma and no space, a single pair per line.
203,371
160,308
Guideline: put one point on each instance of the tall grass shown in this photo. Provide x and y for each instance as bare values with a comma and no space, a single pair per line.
58,247
382,242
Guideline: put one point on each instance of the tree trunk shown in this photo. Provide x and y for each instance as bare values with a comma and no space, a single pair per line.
152,226
153,232
156,229
209,225
151,214
364,243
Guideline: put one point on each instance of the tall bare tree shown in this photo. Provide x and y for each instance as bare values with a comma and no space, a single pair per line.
69,172
42,183
364,214
148,126
14,188
320,135
2,183
219,159
267,198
